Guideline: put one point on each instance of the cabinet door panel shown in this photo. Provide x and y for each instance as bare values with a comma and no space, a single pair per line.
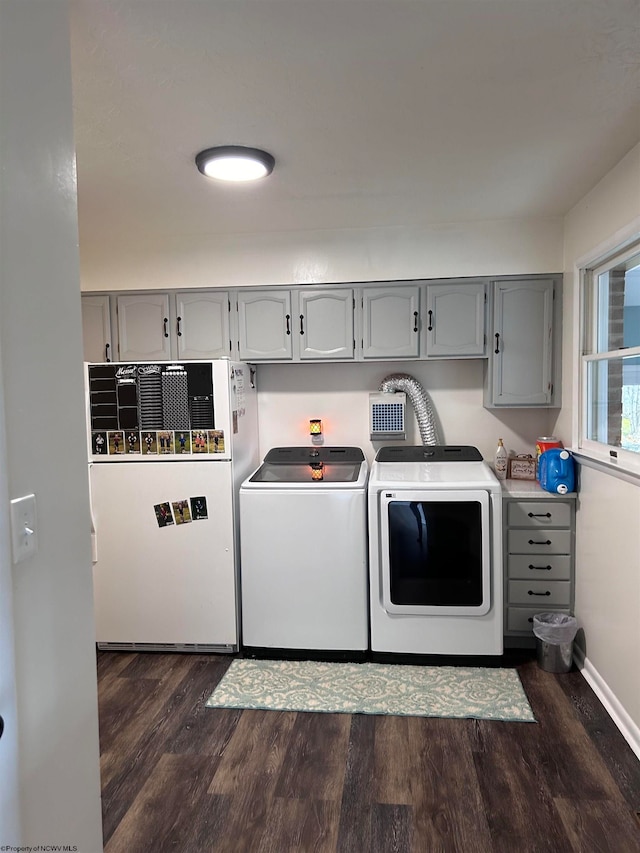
455,319
143,327
326,324
390,319
521,345
96,329
202,324
265,325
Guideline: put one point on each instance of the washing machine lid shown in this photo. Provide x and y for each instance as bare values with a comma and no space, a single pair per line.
301,455
312,467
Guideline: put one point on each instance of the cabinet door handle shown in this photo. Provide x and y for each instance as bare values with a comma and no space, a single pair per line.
107,347
415,321
497,349
539,568
179,333
531,592
288,319
302,324
1,725
533,542
539,514
430,326
164,324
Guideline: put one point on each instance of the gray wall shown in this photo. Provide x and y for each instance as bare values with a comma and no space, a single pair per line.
44,439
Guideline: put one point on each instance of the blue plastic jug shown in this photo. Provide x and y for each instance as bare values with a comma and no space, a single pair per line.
557,471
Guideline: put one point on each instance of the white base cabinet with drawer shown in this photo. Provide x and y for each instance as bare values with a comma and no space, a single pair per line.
539,553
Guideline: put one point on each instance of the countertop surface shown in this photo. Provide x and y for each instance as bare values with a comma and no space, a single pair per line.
530,489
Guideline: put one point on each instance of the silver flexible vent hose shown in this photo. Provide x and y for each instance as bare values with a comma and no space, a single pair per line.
420,401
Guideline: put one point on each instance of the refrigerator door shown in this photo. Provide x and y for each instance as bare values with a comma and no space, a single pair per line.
164,586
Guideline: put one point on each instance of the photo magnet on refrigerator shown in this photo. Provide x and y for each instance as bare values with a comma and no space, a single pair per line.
132,442
199,508
149,442
216,441
99,442
181,512
116,442
183,442
199,441
165,440
163,514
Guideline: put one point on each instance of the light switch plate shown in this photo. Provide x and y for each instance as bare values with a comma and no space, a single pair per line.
24,534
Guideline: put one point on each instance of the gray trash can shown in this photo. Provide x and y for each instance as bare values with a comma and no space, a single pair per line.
555,633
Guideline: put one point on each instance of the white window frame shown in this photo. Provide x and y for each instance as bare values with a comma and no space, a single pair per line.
623,245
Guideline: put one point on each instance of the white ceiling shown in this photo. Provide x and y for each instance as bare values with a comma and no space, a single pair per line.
378,112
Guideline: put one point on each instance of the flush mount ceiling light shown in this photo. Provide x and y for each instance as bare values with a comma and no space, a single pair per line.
235,163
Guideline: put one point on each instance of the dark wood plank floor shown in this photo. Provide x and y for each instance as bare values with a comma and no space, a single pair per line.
177,776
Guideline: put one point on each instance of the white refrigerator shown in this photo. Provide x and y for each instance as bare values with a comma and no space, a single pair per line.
169,446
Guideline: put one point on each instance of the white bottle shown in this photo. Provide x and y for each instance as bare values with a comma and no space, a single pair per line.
500,461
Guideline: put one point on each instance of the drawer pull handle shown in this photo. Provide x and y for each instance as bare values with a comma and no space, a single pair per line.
533,542
539,568
539,514
530,619
531,592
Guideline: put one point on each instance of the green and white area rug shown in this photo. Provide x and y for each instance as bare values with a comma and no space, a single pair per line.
369,688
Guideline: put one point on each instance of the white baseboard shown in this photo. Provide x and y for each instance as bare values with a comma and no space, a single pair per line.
630,731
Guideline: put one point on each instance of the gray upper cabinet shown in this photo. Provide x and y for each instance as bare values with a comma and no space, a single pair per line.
265,325
202,324
96,328
391,322
279,325
191,324
325,319
144,327
520,368
454,320
513,323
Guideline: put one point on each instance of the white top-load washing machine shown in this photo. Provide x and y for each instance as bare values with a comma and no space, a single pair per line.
303,532
435,552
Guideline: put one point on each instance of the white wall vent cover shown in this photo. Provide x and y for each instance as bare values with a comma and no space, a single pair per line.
386,415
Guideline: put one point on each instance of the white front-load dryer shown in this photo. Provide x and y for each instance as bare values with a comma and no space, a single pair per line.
435,552
303,536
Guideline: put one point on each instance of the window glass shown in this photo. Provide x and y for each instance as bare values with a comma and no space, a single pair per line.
618,306
613,390
611,378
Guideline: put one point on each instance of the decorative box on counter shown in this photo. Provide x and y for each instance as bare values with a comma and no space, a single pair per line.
522,467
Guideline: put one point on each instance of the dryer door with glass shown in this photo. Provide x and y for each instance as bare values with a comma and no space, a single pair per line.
435,552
